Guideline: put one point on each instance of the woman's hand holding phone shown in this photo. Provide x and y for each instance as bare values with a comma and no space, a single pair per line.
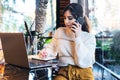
76,28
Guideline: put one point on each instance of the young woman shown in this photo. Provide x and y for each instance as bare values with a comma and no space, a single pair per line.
74,44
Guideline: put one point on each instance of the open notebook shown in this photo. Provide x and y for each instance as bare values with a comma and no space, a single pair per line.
14,49
36,57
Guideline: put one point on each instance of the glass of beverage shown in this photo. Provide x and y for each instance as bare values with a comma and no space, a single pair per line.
2,63
2,67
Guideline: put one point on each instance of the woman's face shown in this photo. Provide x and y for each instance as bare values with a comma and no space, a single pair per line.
68,19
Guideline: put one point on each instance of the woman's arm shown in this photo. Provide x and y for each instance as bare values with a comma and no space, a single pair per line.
85,51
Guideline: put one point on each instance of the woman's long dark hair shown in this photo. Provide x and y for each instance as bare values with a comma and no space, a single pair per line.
76,11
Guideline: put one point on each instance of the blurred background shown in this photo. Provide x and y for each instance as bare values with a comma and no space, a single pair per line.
45,16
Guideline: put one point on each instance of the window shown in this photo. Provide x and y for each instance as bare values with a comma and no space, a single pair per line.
14,12
105,17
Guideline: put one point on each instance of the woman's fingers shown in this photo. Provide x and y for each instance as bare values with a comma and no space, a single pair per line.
43,53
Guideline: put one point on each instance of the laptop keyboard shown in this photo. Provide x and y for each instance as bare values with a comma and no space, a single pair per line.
38,63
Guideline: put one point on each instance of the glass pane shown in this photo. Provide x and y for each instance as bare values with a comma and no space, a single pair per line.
105,17
14,12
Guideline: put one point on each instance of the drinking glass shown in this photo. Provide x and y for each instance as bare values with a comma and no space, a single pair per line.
31,45
2,63
2,67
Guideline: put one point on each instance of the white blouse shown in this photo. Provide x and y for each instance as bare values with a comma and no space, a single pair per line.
78,51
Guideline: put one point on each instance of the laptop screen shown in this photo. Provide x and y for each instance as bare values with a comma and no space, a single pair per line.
14,49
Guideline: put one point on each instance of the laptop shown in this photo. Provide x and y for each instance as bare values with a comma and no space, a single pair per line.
15,53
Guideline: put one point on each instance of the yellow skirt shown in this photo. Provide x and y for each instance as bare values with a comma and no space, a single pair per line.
71,72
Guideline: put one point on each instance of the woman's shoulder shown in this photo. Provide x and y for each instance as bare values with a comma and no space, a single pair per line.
59,31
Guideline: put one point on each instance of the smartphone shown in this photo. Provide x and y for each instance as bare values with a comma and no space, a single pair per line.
80,20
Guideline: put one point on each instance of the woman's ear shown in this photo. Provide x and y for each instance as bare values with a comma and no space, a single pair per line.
88,22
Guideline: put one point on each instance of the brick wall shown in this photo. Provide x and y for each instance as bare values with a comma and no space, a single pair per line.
61,4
